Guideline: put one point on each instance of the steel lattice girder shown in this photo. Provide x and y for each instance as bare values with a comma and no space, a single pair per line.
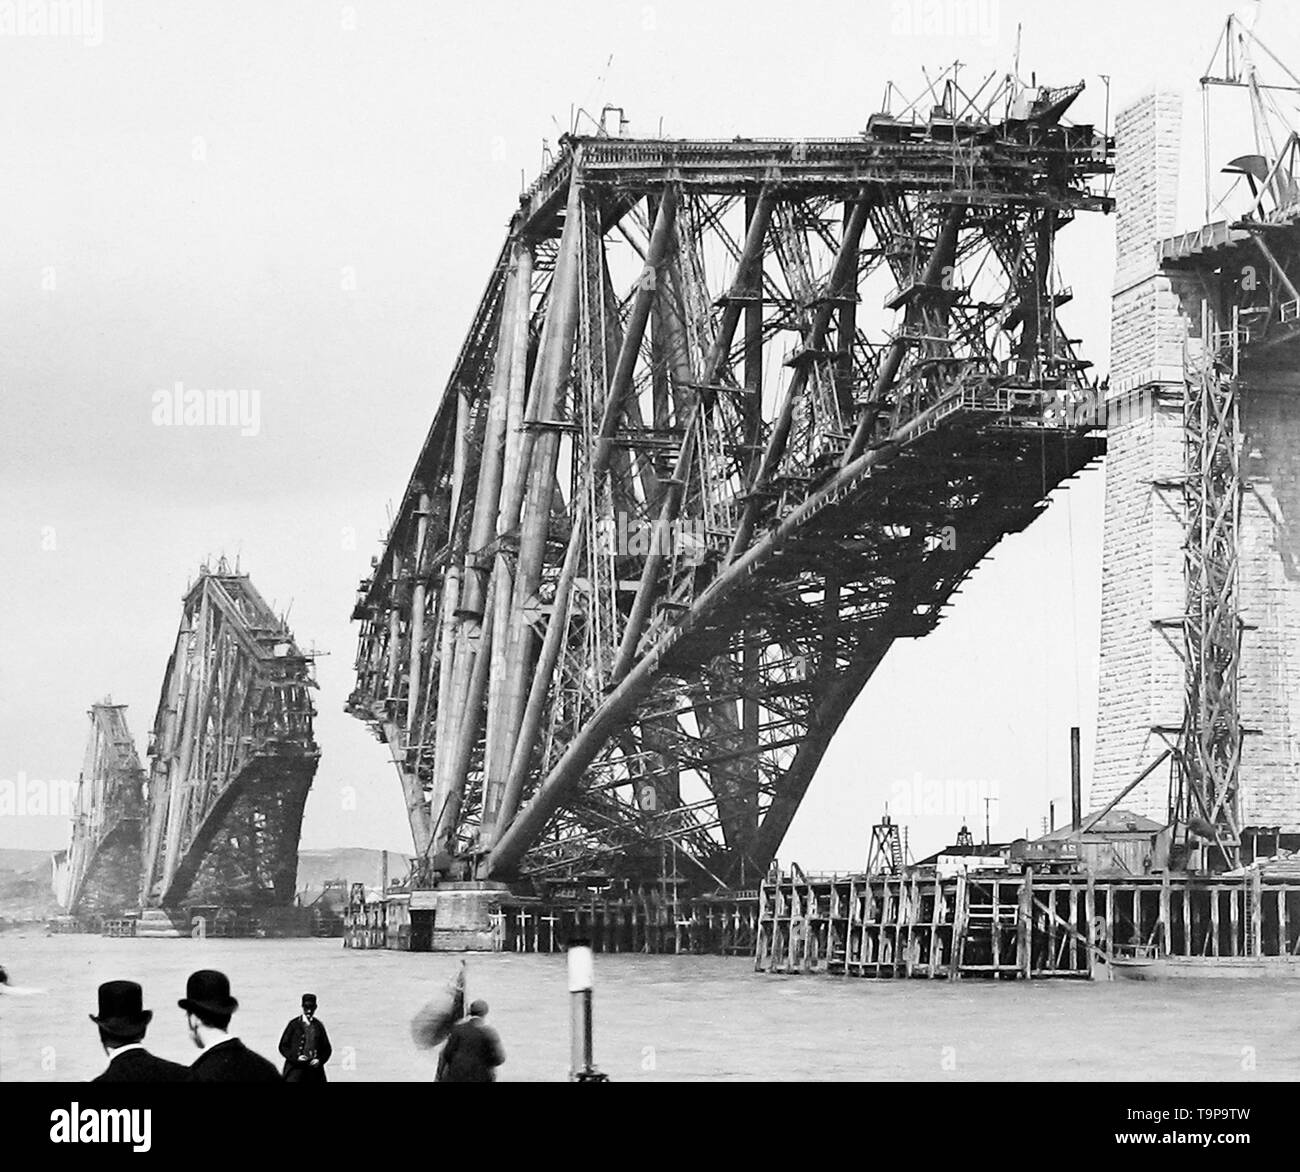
233,753
1249,332
659,538
103,863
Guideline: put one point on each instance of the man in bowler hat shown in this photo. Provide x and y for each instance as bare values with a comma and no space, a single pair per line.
208,1009
122,1022
305,1045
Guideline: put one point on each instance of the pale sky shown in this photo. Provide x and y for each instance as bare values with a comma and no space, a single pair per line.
304,199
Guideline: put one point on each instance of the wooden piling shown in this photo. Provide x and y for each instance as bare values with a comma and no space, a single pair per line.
1025,924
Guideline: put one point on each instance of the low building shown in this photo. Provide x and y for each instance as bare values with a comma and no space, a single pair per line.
1120,843
966,856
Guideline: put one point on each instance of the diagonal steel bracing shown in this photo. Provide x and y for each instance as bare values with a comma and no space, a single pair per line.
103,862
232,751
731,418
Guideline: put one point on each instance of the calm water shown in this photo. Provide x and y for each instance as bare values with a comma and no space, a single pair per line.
658,1018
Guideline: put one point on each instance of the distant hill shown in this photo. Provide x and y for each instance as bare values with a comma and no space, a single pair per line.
12,859
26,894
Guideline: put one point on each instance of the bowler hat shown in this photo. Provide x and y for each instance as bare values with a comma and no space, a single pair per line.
478,1008
208,990
309,999
121,1009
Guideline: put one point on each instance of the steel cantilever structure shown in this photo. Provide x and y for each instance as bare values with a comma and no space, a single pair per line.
684,490
103,862
232,753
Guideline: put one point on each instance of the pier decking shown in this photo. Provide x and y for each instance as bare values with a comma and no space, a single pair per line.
642,919
1007,926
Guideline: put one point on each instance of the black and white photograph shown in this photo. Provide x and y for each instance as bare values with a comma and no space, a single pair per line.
649,542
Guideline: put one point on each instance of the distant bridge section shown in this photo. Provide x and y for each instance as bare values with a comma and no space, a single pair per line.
232,753
101,874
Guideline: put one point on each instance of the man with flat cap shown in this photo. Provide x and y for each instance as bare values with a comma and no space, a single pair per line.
122,1022
473,1050
208,1009
305,1045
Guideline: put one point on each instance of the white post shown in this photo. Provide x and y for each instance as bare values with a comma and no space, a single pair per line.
581,1068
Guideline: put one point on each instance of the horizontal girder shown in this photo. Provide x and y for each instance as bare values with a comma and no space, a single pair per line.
731,418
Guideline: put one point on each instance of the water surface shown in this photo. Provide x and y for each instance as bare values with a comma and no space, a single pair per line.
657,1017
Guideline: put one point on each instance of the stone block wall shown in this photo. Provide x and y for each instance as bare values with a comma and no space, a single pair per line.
1140,702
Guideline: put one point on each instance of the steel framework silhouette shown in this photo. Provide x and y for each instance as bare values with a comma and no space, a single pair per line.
731,417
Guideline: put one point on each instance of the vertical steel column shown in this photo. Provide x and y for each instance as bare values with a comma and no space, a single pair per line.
498,735
753,432
491,465
413,678
620,386
447,813
178,777
843,276
537,467
394,645
164,751
517,395
676,485
944,253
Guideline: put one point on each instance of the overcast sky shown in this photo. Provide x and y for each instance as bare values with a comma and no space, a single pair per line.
304,199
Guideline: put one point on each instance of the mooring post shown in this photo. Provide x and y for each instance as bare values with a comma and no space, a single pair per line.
581,979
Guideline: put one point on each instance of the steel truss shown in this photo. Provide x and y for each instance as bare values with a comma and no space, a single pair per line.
680,497
103,862
1210,743
232,753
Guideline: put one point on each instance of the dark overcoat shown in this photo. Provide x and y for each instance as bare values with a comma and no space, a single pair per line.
232,1061
293,1042
141,1066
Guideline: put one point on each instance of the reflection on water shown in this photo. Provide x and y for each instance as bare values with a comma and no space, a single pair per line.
658,1017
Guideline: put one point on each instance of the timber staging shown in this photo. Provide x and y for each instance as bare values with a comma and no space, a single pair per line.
983,924
1007,926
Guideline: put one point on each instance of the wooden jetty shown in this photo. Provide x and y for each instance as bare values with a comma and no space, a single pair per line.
638,918
1000,925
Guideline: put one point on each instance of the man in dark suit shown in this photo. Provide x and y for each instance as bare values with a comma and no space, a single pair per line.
473,1051
208,1009
122,1022
305,1046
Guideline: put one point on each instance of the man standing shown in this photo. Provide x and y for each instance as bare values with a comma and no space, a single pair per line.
208,1009
122,1023
305,1046
473,1051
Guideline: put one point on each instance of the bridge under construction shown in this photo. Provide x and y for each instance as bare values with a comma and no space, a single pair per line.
216,820
731,417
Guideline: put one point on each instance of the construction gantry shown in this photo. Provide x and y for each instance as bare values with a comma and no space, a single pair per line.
1237,282
687,484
